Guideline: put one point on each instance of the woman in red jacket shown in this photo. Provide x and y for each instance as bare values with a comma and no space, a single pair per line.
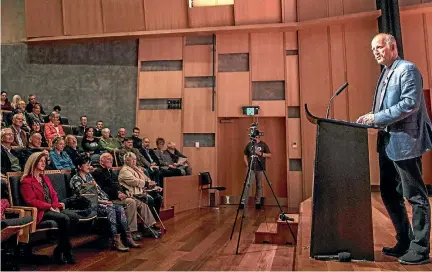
37,191
53,129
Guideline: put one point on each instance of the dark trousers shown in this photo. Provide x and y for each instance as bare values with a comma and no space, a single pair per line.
399,180
65,222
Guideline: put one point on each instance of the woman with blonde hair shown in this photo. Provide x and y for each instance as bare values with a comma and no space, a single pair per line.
37,191
53,129
15,100
60,158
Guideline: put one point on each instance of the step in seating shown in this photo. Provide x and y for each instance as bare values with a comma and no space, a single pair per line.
277,232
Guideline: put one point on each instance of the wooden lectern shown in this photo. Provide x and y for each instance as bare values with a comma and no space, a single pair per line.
341,206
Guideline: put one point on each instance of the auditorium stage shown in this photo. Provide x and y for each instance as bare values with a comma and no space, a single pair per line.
199,240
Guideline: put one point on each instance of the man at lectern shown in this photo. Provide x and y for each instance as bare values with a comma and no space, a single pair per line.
405,134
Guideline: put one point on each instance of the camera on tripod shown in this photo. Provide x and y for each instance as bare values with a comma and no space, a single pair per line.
254,132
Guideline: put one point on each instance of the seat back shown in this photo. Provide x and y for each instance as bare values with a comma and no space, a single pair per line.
58,181
205,179
7,117
15,197
79,141
64,120
67,129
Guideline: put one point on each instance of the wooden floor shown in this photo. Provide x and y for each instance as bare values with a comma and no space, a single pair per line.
199,240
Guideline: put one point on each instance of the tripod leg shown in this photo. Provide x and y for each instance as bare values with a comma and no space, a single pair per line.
246,183
241,227
277,201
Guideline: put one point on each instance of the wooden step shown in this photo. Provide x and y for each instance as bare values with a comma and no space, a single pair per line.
265,233
166,213
278,232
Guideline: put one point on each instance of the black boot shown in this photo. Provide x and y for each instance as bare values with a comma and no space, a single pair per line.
70,259
58,256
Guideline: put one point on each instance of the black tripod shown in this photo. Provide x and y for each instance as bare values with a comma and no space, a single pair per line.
282,216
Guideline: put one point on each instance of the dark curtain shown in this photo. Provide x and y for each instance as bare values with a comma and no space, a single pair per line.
389,22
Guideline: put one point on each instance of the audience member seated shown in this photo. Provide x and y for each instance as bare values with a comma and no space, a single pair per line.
108,143
136,182
98,129
137,142
20,136
37,191
72,148
114,212
178,158
108,181
35,115
32,103
53,128
5,104
81,130
9,162
165,160
15,100
90,144
21,109
57,109
59,158
36,128
121,134
34,145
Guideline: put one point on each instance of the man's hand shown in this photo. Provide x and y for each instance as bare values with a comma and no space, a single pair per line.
121,196
259,153
367,119
159,189
172,166
154,167
92,182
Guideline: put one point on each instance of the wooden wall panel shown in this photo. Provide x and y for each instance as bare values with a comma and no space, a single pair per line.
292,80
289,11
211,16
291,42
363,71
248,12
267,51
355,6
82,17
409,2
183,193
428,25
295,189
335,8
198,60
314,64
161,123
272,108
338,72
170,48
232,85
311,9
232,43
294,138
50,24
165,14
119,16
414,43
373,157
160,84
202,159
198,114
427,169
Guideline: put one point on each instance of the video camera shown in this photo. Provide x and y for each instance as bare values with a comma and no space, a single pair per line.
254,132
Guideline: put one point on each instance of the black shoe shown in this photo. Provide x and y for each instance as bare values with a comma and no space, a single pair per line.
58,257
136,236
70,259
154,227
412,257
241,206
258,206
397,251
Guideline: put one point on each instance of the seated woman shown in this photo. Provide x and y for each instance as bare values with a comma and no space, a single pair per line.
59,158
90,144
35,115
114,212
37,191
9,160
5,104
53,128
136,182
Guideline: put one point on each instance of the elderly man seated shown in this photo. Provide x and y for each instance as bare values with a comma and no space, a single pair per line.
20,136
108,143
165,160
178,158
108,181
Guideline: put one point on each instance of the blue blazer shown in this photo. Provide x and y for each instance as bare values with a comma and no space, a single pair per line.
402,113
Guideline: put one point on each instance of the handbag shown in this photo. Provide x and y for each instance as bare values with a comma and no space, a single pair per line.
90,192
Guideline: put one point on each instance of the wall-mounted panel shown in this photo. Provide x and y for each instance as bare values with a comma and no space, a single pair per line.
410,2
311,9
232,93
267,56
355,6
268,90
232,43
199,82
295,188
211,16
165,14
198,60
202,160
198,114
160,84
237,62
289,11
50,24
161,123
414,44
120,16
82,17
161,65
199,40
170,48
247,12
199,139
292,80
270,108
294,138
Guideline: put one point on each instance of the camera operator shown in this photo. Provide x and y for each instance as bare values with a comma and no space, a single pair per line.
263,152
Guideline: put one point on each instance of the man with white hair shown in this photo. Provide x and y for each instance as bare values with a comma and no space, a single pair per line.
20,136
405,134
108,143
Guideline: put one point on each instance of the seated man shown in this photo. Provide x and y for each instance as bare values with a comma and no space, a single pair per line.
178,158
108,182
98,129
121,134
82,127
137,141
20,136
165,159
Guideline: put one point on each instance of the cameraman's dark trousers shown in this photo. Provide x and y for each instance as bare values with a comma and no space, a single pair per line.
258,177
